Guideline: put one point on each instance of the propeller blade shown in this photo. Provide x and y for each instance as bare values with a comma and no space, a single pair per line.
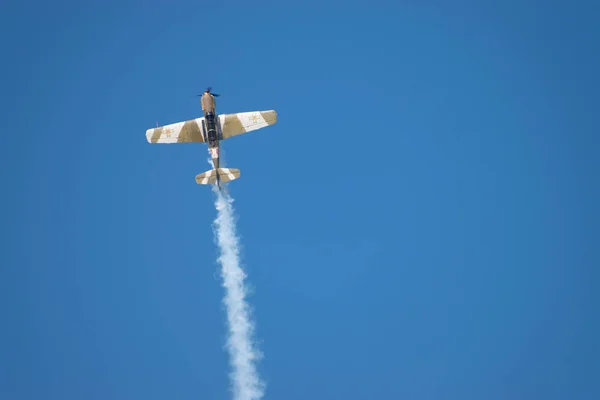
208,89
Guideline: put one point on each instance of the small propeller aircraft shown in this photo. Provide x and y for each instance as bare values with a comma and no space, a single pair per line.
211,129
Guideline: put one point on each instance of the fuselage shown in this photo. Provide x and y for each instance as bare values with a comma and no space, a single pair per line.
211,133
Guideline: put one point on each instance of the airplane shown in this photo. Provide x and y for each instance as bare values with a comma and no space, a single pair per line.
212,129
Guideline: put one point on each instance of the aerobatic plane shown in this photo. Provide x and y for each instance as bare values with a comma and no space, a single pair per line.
211,129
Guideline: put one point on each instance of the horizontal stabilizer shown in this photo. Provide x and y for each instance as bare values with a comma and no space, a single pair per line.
224,174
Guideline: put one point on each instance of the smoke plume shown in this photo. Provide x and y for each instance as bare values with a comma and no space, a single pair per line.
242,353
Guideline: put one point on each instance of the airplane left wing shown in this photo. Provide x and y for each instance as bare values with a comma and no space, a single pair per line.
240,123
180,132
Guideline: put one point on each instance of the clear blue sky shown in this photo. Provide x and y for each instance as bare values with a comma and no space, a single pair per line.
421,223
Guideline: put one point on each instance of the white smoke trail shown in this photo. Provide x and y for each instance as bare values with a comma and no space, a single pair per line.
243,355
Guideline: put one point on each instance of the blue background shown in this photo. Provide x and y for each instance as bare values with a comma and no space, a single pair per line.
420,223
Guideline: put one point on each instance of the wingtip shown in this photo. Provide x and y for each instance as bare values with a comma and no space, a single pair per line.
270,116
150,134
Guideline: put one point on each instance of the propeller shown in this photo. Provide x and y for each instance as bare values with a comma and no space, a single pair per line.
208,90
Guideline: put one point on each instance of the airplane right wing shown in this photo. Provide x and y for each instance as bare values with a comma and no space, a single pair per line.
179,132
240,123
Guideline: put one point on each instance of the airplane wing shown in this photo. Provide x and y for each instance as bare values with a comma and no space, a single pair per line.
180,132
239,123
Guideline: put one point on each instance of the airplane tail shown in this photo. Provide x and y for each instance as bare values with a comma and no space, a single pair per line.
223,174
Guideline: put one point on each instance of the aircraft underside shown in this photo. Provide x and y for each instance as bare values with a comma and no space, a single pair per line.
211,135
211,129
